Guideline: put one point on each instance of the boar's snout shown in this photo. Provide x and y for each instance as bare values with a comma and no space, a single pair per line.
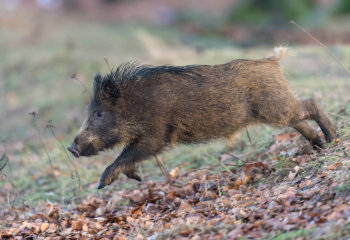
73,150
81,146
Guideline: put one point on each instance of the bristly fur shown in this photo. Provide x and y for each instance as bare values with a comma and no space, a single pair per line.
280,52
132,71
149,108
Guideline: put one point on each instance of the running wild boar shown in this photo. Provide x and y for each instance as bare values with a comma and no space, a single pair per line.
146,108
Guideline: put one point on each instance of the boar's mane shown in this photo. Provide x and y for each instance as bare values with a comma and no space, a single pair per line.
108,87
133,72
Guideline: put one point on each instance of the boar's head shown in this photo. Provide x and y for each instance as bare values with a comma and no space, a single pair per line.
104,126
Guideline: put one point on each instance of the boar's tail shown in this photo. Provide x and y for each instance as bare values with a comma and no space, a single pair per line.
280,52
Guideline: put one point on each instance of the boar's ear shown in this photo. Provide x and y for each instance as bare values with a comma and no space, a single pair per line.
97,83
110,88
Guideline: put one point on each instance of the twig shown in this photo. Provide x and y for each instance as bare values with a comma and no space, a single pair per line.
234,156
150,191
107,63
225,167
218,186
3,162
163,169
35,117
75,76
50,127
221,164
6,162
322,45
4,158
205,184
250,140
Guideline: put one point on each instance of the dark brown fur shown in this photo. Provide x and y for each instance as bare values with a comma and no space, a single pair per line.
147,108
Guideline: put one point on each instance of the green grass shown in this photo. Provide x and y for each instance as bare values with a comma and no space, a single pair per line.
301,233
282,163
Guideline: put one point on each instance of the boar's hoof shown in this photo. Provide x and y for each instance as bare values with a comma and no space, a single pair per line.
100,185
110,174
104,183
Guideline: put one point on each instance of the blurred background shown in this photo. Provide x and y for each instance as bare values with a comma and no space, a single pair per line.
50,51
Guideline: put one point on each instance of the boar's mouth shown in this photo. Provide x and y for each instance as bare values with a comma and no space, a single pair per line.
89,150
73,150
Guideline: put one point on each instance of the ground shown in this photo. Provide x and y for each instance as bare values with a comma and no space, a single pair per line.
268,185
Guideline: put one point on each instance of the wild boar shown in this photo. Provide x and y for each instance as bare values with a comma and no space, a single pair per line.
148,107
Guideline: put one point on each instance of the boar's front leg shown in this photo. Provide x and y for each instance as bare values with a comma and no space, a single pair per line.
130,155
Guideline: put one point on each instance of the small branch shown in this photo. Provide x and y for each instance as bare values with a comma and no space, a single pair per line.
234,156
250,140
218,185
35,117
163,169
224,166
75,76
75,174
150,191
221,163
107,63
322,45
4,161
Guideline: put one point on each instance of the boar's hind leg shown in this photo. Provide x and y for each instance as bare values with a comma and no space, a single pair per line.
314,112
311,111
309,133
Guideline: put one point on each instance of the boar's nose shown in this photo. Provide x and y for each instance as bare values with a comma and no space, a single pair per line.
73,150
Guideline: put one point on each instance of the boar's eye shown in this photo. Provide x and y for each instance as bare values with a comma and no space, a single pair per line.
99,114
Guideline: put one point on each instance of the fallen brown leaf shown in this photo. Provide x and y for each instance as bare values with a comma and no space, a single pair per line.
52,211
334,166
242,181
252,169
285,138
185,207
174,172
292,174
139,237
44,226
77,225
